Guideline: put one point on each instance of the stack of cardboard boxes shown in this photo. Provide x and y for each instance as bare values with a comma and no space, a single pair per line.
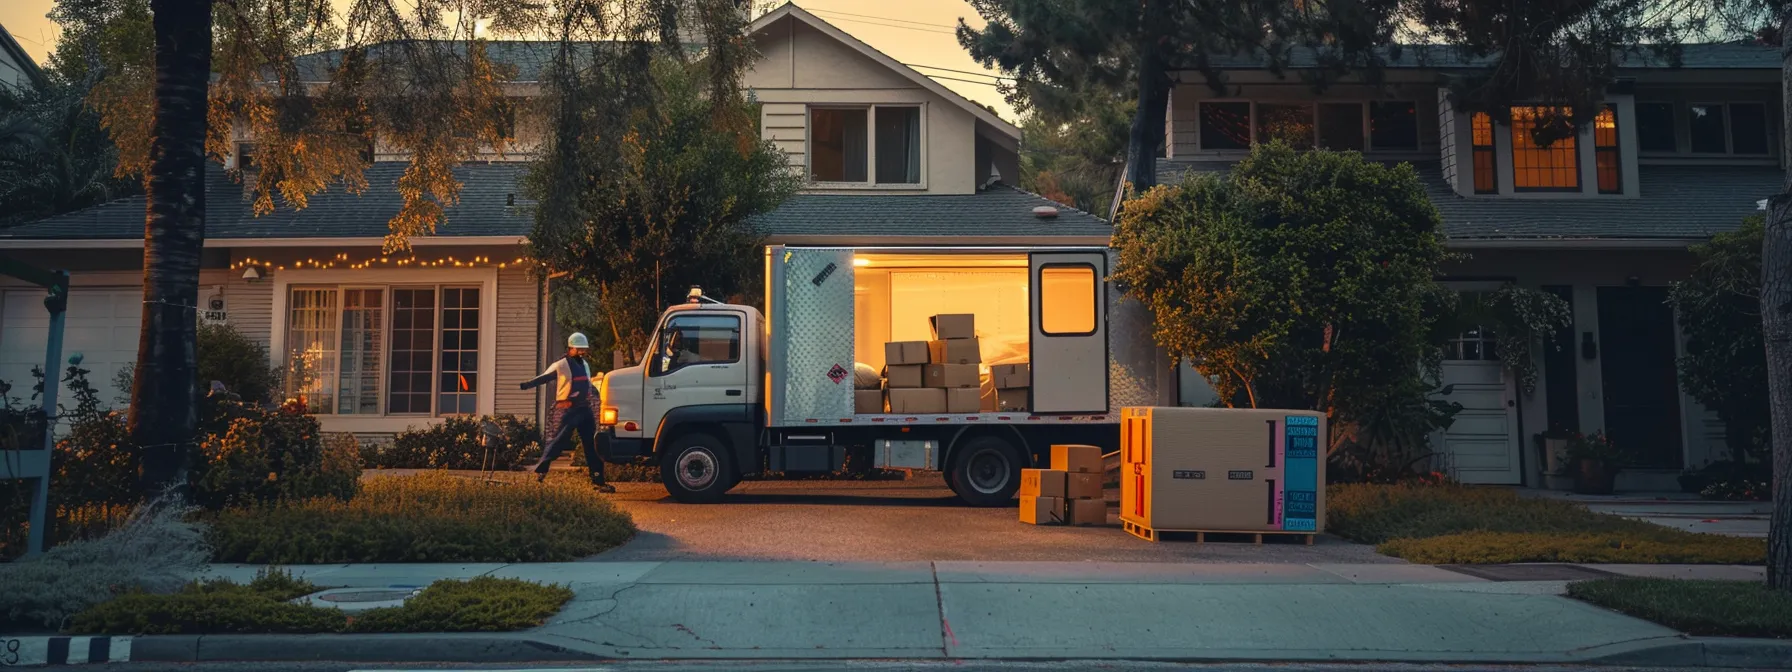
937,376
1067,493
1013,383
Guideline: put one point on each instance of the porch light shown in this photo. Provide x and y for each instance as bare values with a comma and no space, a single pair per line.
252,273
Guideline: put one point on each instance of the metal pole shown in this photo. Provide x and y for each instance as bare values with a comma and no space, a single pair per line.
57,303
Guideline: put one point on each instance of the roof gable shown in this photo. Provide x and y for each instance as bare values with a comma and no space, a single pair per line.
799,14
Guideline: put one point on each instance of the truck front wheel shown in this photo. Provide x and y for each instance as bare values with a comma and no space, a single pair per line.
985,471
696,469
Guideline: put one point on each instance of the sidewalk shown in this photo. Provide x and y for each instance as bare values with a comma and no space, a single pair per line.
1042,610
1673,509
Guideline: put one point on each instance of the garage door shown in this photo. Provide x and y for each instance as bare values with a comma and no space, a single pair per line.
102,326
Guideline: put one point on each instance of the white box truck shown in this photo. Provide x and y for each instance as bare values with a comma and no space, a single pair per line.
726,391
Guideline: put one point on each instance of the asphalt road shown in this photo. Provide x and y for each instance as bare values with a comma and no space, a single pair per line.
912,520
868,666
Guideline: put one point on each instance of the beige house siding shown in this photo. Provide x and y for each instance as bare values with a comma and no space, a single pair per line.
517,341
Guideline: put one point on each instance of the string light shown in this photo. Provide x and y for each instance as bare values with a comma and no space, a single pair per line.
341,260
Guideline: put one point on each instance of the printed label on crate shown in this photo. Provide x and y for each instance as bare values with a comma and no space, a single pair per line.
1188,474
1241,475
1300,473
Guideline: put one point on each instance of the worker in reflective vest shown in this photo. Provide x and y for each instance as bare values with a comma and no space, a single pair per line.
573,397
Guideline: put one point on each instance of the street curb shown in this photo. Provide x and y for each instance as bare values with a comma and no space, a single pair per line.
1735,652
358,648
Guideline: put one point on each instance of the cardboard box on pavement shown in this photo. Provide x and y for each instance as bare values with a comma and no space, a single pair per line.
1076,458
1042,510
917,400
1086,511
953,326
905,375
1041,483
1011,376
964,400
950,375
905,352
867,401
954,351
1081,485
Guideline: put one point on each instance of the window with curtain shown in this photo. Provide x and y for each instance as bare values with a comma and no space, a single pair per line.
1605,151
898,145
1225,125
399,350
1487,177
837,151
1536,167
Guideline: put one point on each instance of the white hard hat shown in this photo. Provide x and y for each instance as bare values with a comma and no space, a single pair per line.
578,340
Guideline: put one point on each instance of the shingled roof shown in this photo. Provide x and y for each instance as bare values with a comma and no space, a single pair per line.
1675,203
490,205
1709,56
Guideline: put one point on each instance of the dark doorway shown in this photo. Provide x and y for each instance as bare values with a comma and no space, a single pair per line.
1560,388
1642,397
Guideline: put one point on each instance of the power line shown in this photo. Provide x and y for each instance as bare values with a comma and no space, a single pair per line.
962,72
967,81
888,25
883,18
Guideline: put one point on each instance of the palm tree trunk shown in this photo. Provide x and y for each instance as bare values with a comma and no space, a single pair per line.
163,419
1776,326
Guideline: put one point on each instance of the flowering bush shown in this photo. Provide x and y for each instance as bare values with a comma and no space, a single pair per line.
455,443
1595,446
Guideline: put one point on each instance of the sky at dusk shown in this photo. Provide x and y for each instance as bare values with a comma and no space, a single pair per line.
916,32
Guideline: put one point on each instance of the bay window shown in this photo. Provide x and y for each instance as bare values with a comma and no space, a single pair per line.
392,350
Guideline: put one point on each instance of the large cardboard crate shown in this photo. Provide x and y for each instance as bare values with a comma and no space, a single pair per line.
1222,470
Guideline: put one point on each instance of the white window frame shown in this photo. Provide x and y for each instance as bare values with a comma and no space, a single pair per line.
870,149
485,279
1362,103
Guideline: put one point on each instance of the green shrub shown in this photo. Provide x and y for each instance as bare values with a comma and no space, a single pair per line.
238,361
274,455
1707,608
474,605
481,604
154,550
454,443
428,517
1641,546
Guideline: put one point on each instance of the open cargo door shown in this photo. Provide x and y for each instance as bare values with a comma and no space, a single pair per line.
1069,331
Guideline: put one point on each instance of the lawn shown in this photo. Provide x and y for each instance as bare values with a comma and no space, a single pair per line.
1714,608
1456,524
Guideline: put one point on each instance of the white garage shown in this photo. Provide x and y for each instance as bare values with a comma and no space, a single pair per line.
102,326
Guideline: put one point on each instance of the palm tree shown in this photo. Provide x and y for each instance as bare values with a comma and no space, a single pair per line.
54,156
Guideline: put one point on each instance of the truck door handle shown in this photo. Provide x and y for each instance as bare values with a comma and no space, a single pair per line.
732,393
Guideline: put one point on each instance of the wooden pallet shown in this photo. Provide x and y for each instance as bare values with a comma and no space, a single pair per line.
1151,534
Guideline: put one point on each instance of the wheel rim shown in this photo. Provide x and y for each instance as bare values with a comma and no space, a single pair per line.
988,471
696,469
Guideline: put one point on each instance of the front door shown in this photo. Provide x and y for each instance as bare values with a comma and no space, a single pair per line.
1481,445
1069,338
1636,365
696,361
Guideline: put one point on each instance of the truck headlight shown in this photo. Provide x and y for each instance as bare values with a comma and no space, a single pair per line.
607,416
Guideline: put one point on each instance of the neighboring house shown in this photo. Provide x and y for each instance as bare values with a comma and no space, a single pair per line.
895,159
1603,220
17,69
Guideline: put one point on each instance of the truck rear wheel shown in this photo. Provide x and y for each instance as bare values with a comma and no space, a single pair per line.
696,469
985,471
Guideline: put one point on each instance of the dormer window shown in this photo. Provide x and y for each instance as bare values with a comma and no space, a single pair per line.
1486,161
1606,160
1538,167
871,145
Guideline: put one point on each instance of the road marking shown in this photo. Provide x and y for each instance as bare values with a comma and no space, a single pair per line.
32,651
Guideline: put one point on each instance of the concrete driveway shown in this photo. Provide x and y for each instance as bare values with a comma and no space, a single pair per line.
912,520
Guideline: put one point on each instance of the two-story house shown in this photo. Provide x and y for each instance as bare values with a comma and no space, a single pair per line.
1602,219
890,157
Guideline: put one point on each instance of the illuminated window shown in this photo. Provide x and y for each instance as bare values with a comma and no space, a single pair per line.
393,350
1536,167
1487,180
1291,123
1225,125
1605,151
1067,299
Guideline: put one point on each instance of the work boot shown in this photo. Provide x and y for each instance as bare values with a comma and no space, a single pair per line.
541,477
602,487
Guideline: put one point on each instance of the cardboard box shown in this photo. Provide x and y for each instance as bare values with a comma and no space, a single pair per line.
1082,485
954,351
1011,376
905,375
1042,483
964,400
950,375
867,401
905,352
1223,469
953,326
1086,511
1074,458
1042,510
1013,400
917,400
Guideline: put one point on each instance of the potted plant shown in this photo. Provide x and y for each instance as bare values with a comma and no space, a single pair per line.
1595,461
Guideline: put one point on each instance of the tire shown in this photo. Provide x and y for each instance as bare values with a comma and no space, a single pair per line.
986,471
696,469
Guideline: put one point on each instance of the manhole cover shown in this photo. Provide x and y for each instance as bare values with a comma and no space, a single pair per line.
365,596
1529,572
